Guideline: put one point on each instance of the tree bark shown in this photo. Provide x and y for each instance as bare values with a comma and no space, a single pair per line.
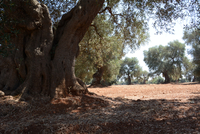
70,31
194,79
144,82
97,77
8,74
129,78
167,78
33,45
45,61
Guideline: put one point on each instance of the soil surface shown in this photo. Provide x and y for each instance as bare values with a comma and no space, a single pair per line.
120,109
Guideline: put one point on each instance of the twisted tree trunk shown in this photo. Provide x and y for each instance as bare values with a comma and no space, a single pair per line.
167,78
97,77
43,61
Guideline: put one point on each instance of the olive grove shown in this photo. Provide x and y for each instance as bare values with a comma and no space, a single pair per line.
40,38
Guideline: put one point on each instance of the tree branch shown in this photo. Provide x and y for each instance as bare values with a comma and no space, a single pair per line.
107,8
110,11
95,28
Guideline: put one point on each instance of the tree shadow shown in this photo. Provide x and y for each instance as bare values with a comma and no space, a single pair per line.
195,92
100,114
190,83
195,99
99,86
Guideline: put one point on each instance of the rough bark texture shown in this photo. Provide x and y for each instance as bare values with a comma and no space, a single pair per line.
8,74
30,60
144,82
33,50
70,31
129,80
32,70
97,77
167,78
194,79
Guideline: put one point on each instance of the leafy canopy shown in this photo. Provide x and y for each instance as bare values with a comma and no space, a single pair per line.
99,49
166,59
188,69
192,38
129,69
129,17
104,43
143,77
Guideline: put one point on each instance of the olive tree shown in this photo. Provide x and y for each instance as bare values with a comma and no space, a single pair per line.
192,38
40,41
129,69
166,60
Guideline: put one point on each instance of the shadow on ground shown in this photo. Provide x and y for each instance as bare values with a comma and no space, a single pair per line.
99,114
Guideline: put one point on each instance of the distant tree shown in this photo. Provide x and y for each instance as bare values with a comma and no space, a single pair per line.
129,69
166,60
192,38
137,79
144,76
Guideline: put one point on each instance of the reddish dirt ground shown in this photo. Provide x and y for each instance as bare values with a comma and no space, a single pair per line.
164,108
182,92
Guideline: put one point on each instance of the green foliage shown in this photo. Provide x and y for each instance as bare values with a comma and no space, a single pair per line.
165,12
188,69
129,19
143,77
192,38
99,49
58,7
129,69
167,60
157,80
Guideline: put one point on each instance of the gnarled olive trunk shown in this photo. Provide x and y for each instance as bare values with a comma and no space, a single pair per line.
44,61
33,45
129,78
9,79
70,31
97,77
167,78
194,79
144,82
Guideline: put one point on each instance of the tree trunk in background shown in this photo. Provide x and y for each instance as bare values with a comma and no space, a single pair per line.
42,73
194,79
97,77
144,82
167,78
129,79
